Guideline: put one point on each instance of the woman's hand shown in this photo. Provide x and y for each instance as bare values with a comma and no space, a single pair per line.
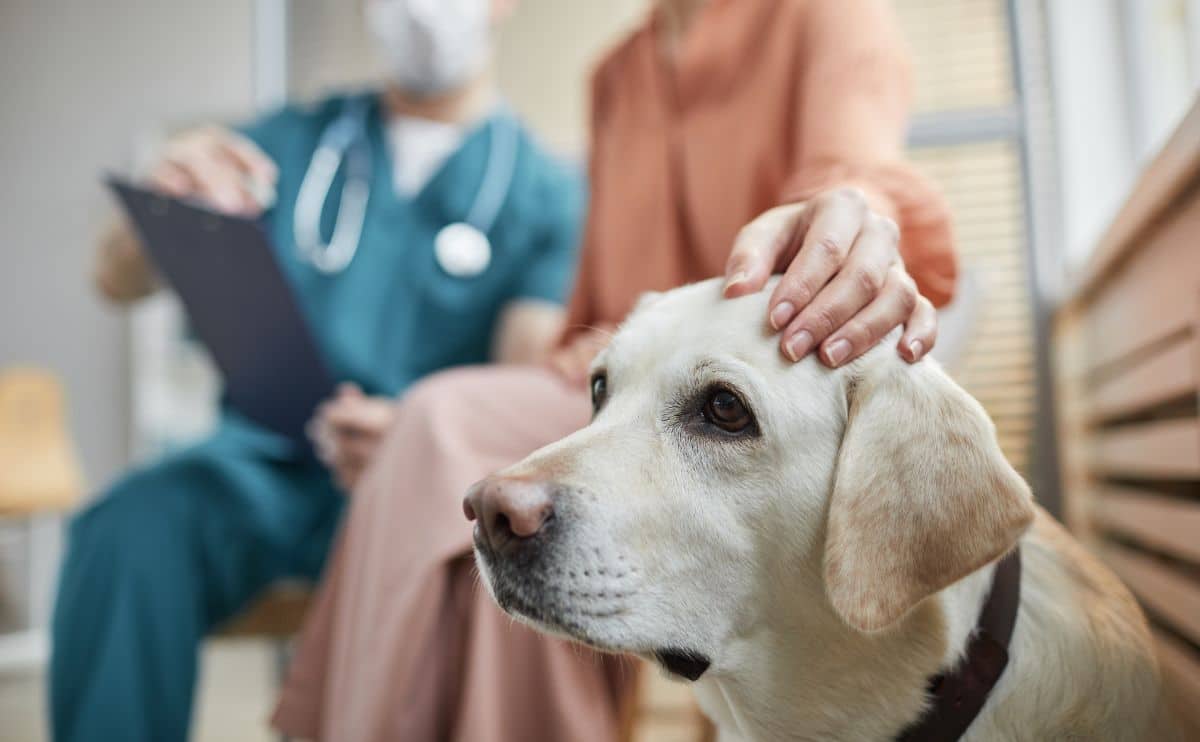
217,166
346,431
573,360
844,286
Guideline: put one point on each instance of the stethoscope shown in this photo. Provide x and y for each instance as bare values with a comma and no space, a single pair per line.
462,249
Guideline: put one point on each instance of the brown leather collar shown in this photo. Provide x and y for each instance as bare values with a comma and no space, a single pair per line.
958,696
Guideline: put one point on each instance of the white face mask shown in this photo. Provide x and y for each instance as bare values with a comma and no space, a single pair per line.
432,46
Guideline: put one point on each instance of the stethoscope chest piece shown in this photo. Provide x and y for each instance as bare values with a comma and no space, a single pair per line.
462,250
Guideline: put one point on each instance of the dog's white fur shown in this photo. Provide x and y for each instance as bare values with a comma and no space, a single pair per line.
833,563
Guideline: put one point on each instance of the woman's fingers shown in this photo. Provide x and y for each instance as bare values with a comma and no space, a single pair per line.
920,332
856,284
836,221
843,286
760,246
895,305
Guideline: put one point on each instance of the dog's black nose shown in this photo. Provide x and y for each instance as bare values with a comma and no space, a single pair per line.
509,511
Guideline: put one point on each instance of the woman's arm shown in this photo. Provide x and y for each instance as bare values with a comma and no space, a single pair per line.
864,242
122,274
526,331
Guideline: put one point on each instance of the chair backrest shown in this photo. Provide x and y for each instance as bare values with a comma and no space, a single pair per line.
39,469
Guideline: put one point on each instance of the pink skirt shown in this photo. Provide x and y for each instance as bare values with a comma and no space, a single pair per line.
402,642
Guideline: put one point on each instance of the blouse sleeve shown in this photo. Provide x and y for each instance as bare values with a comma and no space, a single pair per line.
855,89
581,309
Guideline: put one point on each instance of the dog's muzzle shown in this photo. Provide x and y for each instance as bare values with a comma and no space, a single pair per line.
540,566
517,538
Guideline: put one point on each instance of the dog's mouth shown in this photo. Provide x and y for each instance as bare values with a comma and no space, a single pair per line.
525,588
529,584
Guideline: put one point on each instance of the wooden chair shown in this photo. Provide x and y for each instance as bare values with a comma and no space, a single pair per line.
1127,362
276,617
39,476
39,469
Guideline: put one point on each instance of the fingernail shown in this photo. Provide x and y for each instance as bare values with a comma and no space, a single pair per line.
798,346
736,278
916,348
837,351
781,314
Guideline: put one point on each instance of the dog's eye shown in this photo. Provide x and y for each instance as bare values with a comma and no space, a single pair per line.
726,410
599,390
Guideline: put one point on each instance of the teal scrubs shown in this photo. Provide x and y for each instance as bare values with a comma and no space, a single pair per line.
174,549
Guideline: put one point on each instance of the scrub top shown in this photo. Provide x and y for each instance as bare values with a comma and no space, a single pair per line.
394,314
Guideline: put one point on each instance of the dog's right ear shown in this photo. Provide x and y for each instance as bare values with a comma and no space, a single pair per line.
922,496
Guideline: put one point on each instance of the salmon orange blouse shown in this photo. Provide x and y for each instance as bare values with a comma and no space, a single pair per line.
765,102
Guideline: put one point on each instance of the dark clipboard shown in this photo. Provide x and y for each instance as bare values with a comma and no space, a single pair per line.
239,304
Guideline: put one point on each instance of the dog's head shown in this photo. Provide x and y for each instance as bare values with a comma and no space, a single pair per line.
717,481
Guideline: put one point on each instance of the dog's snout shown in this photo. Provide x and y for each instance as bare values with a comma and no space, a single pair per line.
509,510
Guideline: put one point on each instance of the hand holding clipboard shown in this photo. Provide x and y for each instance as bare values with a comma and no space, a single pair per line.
240,305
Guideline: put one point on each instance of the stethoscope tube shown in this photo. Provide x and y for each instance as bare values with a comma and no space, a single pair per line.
461,248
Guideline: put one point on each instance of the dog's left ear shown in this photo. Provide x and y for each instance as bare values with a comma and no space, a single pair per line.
922,497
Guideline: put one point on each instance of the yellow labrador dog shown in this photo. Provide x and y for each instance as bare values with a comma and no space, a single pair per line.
811,547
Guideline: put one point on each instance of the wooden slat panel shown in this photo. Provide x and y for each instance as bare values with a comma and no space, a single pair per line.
1165,591
1173,171
982,182
1180,666
1167,524
1165,375
1157,449
1150,297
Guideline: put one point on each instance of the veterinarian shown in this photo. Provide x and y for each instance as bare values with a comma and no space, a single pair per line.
392,292
728,138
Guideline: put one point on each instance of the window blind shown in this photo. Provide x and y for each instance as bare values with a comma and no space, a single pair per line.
962,56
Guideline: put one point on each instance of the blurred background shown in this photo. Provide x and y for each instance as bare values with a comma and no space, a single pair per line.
1039,119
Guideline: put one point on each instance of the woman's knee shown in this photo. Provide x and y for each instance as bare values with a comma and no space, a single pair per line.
445,390
496,413
435,410
471,392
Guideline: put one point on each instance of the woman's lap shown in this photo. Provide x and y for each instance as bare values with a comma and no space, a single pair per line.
358,653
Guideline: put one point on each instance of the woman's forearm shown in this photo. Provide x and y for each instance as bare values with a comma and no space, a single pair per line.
123,274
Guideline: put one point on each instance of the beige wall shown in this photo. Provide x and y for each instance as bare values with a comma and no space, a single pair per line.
545,54
78,80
